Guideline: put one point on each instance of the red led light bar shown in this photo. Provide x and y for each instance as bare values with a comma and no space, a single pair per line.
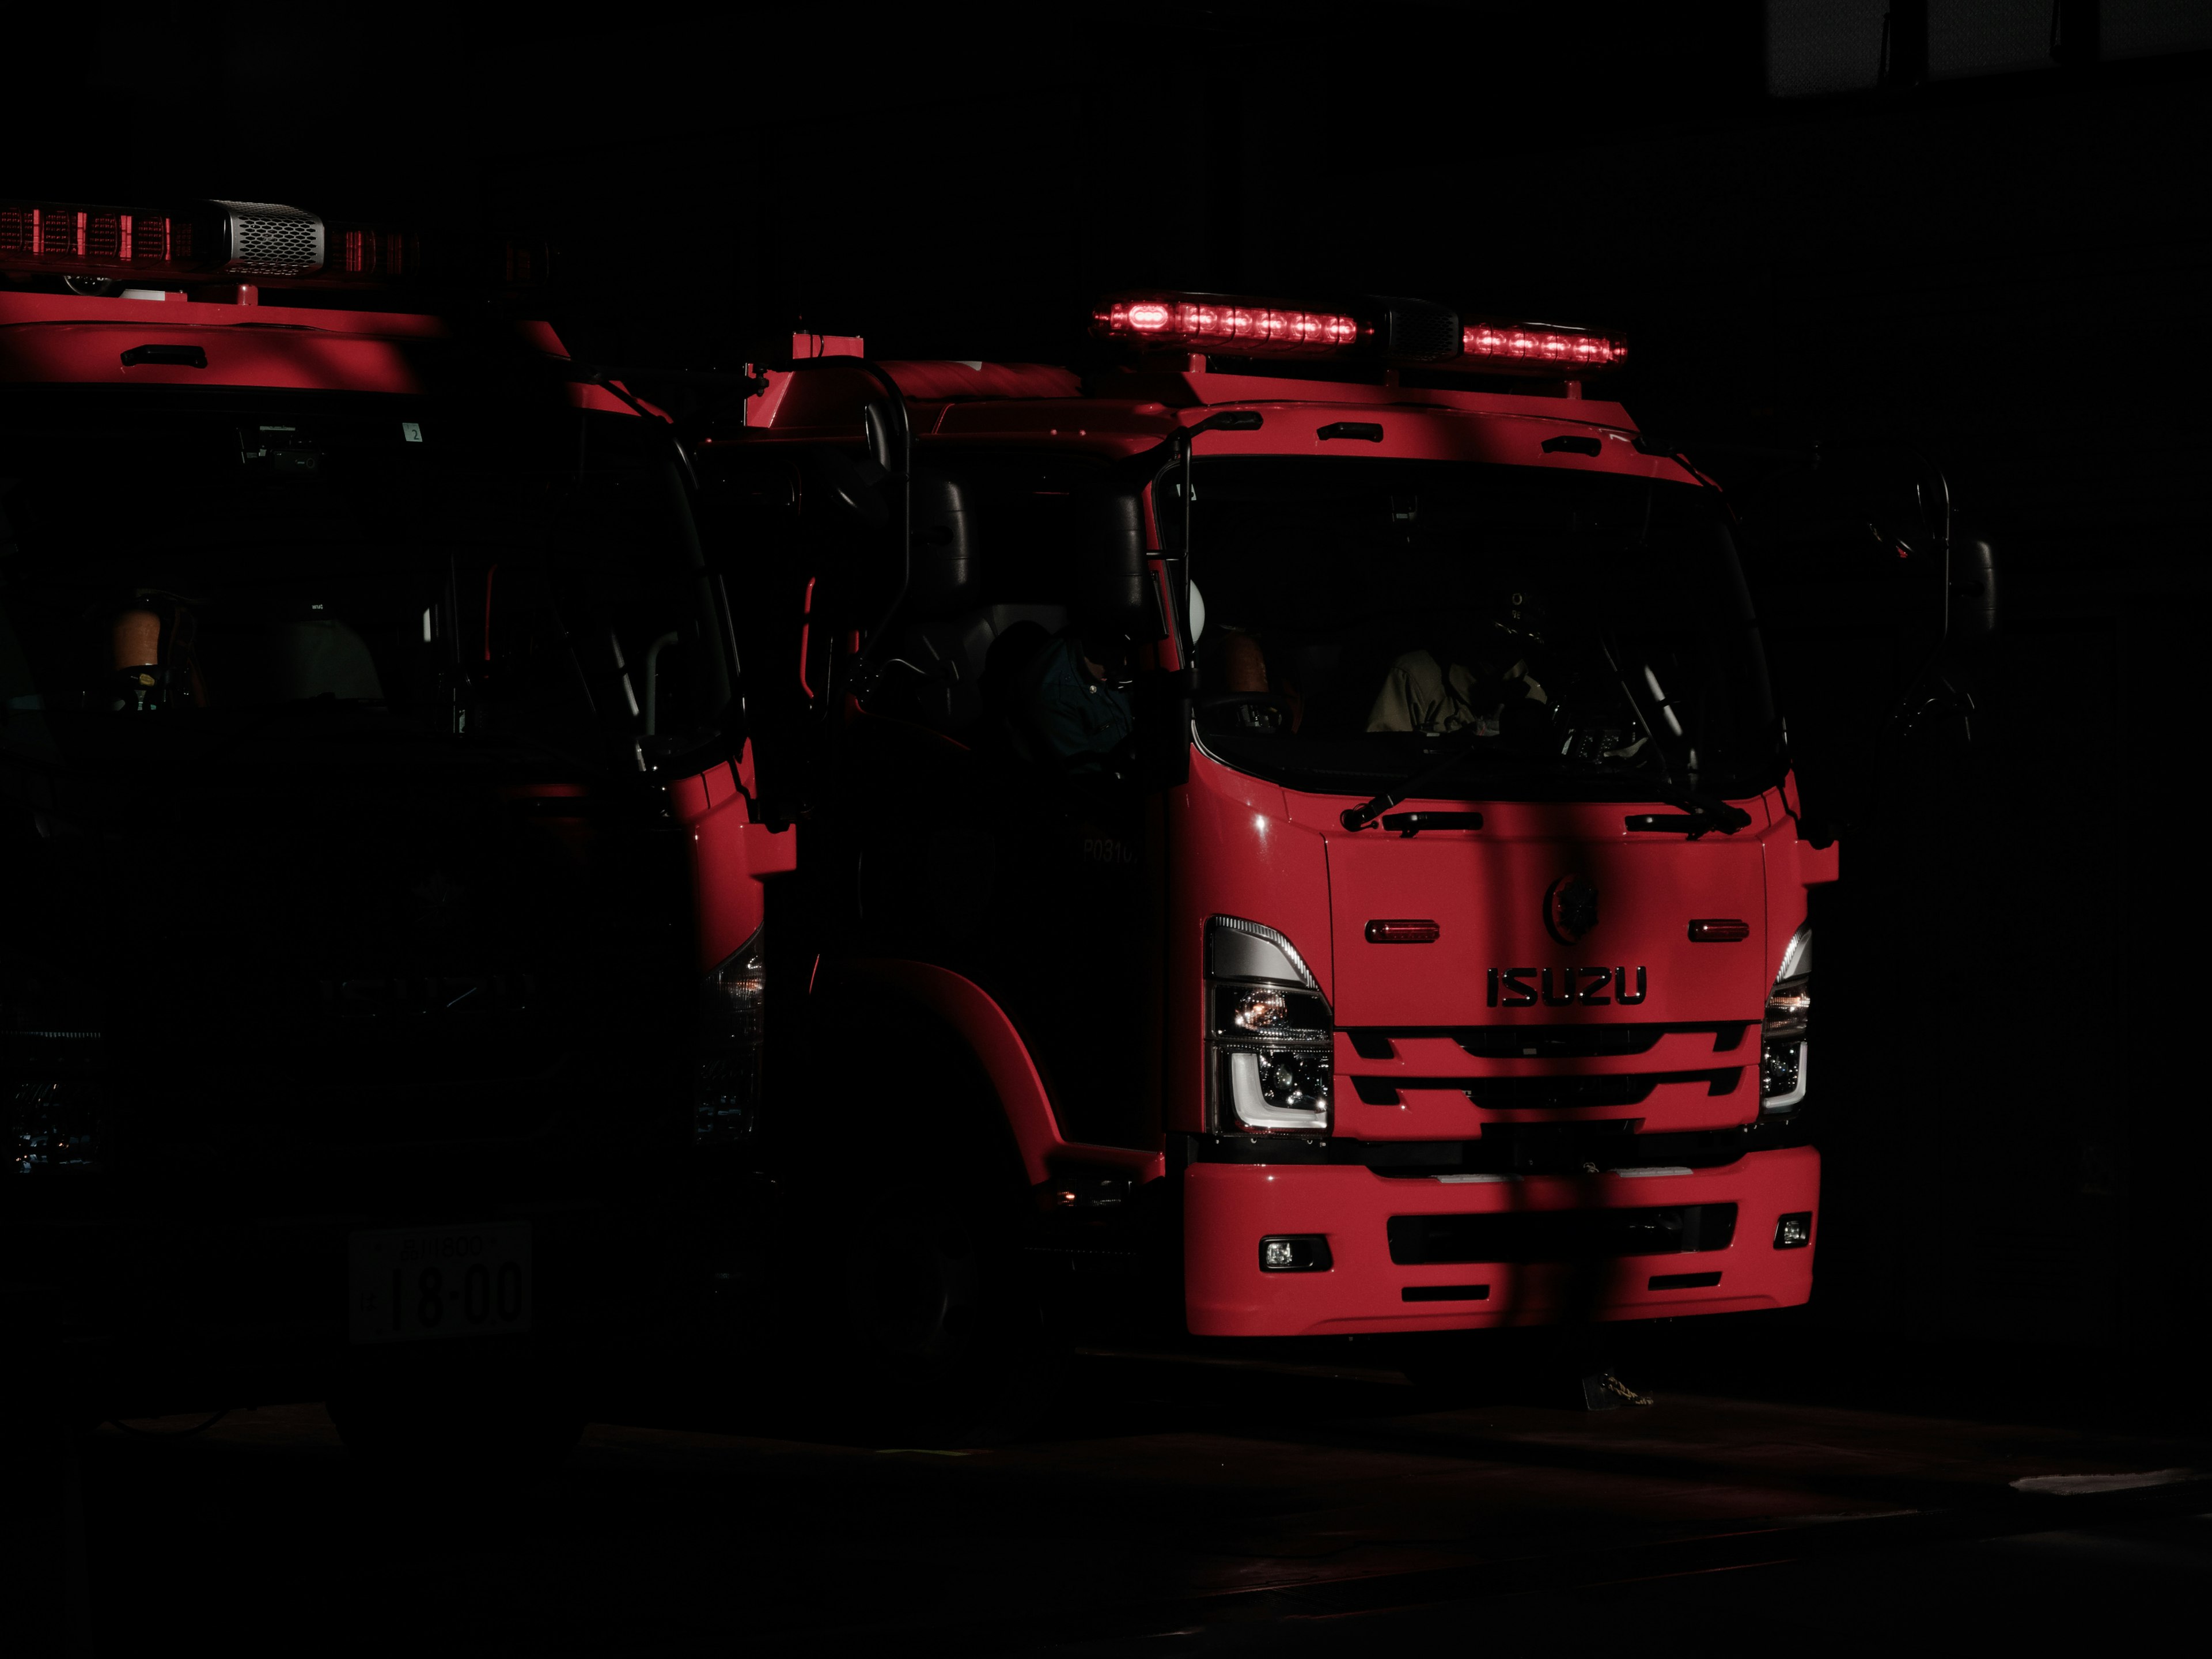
1408,332
1228,324
1520,345
71,240
264,241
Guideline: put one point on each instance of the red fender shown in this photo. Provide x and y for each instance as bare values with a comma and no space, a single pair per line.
968,1010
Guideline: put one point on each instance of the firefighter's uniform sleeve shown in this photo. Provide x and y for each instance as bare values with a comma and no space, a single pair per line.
1076,717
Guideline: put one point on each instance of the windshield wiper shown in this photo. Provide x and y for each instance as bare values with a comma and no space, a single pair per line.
1359,818
1704,812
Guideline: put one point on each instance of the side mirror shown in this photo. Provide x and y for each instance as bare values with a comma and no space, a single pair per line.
1973,590
942,573
1113,579
1863,609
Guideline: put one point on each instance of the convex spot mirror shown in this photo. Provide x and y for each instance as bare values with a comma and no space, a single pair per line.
943,575
1844,545
1973,590
848,487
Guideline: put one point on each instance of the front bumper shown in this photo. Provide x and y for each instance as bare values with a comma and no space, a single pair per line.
1229,1208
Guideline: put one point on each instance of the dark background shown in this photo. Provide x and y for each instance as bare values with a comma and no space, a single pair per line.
1976,227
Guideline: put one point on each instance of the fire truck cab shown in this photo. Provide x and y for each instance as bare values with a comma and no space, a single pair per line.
374,811
1298,824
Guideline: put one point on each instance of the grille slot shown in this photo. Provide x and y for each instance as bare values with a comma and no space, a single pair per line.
1547,1041
1532,1236
1549,1093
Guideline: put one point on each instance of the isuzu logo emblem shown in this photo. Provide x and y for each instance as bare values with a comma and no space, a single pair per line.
1566,987
1570,910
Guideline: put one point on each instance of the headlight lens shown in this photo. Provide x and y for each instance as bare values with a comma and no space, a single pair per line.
1268,1029
1259,1010
50,1083
1785,1048
726,1092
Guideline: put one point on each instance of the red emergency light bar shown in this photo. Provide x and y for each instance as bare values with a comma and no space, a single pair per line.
1405,331
1225,323
1514,344
213,240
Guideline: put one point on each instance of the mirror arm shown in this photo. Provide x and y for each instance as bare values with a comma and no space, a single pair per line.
891,429
1180,446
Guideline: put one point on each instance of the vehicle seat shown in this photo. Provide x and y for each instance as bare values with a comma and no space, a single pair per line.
321,657
950,632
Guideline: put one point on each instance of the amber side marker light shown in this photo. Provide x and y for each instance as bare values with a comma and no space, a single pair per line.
1717,930
1403,932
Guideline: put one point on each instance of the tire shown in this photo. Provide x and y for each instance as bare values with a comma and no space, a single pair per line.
940,1336
919,1314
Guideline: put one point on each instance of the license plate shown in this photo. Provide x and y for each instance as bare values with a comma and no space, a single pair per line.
421,1284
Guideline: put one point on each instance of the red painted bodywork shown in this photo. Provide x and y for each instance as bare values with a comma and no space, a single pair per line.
1229,1208
1242,846
968,1008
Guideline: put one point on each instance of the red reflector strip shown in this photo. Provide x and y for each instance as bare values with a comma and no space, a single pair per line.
1403,932
1564,347
1719,930
1222,323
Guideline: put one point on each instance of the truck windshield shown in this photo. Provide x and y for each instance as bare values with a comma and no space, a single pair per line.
212,575
1574,633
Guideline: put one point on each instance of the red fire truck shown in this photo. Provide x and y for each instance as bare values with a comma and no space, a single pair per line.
370,737
1298,822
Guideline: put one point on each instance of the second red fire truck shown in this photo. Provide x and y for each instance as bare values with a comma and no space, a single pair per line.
374,808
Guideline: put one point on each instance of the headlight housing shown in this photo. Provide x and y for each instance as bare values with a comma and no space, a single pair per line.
726,1085
1269,1067
50,1081
1784,1050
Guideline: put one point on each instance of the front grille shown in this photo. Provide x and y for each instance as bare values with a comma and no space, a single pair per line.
1547,1041
1561,1234
1548,1093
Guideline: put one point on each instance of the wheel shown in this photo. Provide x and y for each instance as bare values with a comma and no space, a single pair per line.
917,1317
941,1335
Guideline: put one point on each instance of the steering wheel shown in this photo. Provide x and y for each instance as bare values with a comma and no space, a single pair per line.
1256,711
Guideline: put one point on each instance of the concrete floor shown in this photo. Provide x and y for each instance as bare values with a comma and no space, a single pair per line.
1185,1503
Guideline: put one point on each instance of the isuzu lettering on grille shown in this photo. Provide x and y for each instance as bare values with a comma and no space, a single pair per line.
1563,987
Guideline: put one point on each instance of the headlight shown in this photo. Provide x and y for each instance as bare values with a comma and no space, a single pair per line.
1784,1050
1267,1028
51,1082
726,1091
